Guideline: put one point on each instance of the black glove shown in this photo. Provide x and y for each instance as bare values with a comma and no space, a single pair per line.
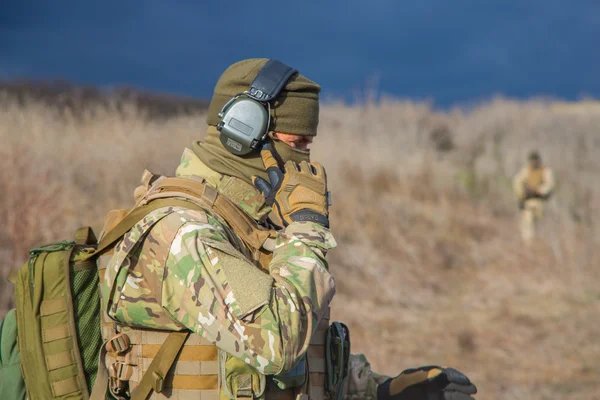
427,383
531,194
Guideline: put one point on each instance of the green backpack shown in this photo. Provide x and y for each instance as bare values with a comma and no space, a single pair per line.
58,318
58,315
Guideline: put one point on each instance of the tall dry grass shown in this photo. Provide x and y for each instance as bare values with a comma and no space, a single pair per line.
430,267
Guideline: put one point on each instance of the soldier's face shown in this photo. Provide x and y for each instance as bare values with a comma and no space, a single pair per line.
294,141
535,163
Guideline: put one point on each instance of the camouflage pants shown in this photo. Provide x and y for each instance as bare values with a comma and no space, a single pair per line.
530,216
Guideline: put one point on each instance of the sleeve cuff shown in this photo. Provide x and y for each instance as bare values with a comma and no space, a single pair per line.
311,234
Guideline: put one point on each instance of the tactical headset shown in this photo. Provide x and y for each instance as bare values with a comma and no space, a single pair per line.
245,118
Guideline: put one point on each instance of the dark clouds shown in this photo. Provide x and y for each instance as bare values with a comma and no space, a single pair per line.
451,51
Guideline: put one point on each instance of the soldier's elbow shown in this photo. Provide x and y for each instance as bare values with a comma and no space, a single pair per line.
285,359
291,360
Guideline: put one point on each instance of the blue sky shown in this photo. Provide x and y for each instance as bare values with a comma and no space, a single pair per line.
448,51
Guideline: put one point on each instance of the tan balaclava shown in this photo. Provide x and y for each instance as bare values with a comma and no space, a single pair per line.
294,111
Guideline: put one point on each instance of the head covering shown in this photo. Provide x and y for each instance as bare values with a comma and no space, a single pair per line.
294,111
534,156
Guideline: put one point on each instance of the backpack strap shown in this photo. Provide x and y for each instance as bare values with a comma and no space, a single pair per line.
101,384
251,233
188,193
132,218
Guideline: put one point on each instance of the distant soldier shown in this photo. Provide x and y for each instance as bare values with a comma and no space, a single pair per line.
533,185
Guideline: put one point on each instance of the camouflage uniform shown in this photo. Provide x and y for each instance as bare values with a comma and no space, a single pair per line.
532,186
184,269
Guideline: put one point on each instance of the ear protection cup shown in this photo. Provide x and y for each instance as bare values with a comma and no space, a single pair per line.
245,119
244,124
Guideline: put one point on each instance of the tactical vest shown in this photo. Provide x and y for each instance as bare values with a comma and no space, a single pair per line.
182,365
535,178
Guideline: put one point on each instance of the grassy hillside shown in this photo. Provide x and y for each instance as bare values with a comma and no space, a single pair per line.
430,267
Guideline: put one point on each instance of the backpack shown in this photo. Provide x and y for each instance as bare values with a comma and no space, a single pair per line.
58,313
58,318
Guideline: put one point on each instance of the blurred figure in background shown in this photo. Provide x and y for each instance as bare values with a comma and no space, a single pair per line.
533,186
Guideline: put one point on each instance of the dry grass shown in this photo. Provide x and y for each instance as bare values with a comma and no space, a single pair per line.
430,267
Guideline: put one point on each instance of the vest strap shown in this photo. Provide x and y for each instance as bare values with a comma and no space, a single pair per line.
132,218
251,233
154,377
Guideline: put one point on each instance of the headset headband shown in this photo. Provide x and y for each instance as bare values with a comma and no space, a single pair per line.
245,118
271,78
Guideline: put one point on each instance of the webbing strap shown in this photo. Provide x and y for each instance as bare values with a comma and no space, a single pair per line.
85,236
133,218
248,230
191,353
60,360
65,386
153,378
101,384
53,306
242,224
191,382
56,333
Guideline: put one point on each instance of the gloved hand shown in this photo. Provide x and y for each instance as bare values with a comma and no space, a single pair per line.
298,192
530,193
427,383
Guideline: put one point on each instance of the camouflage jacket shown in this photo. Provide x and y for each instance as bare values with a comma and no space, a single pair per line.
184,269
541,180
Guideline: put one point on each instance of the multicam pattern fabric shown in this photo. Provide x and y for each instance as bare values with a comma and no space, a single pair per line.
133,278
180,269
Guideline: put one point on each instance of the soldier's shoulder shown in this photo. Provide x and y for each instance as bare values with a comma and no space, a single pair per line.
179,215
171,222
187,224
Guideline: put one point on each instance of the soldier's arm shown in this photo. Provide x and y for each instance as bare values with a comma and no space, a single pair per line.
264,319
548,184
362,381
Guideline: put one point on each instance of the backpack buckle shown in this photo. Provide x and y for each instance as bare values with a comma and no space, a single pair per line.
119,343
119,374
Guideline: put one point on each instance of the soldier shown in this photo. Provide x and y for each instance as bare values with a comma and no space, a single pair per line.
533,186
244,270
